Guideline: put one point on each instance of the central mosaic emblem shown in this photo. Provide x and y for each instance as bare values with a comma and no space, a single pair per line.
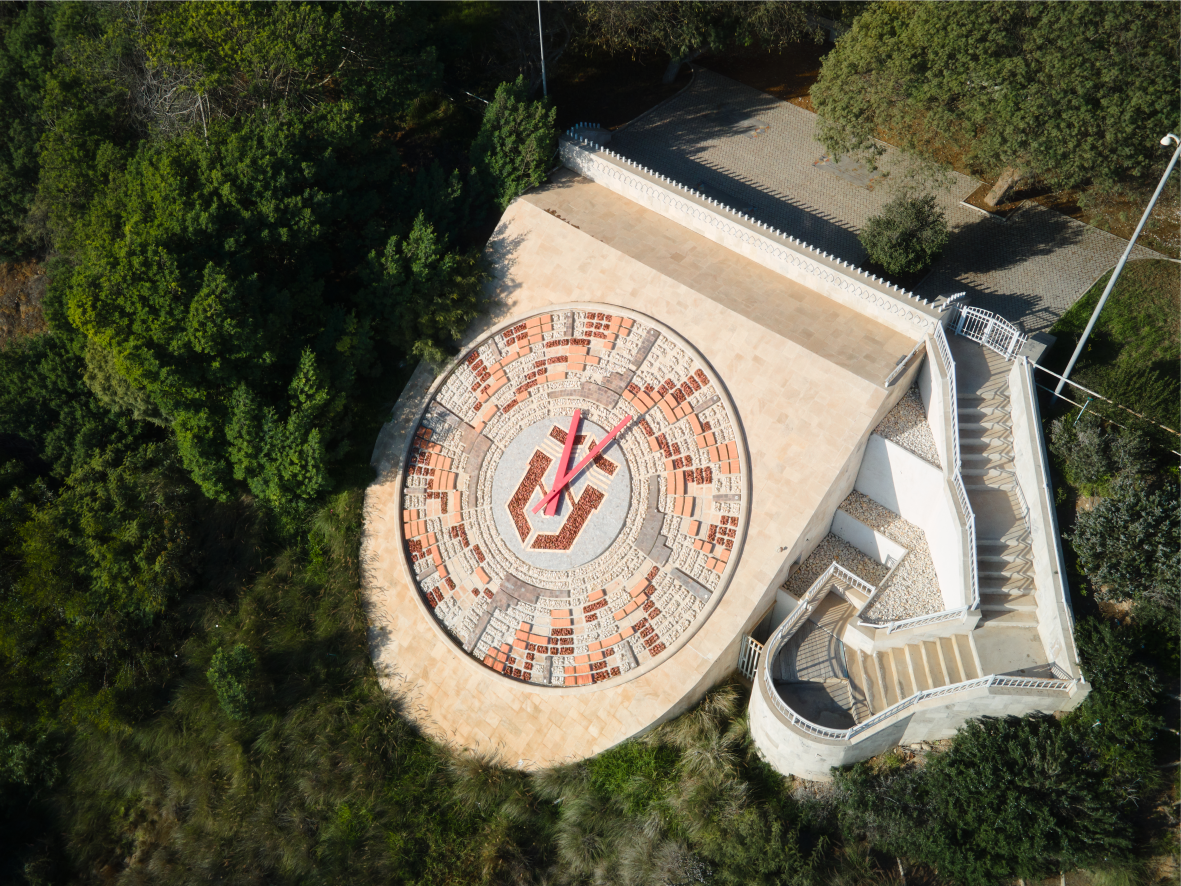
574,496
578,524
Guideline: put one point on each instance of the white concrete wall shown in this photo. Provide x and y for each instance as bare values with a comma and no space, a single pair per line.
866,539
898,309
1055,621
917,491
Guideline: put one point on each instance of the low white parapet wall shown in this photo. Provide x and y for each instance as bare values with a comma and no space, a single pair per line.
895,308
1055,621
791,751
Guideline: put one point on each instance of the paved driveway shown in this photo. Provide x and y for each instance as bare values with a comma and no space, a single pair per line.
759,155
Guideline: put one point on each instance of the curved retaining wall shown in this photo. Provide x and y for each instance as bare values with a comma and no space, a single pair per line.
793,752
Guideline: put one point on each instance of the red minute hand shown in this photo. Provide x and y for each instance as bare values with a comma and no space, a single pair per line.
564,462
560,483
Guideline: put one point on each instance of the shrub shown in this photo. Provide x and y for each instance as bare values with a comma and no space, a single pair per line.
228,674
1132,452
516,142
1129,544
907,236
1083,447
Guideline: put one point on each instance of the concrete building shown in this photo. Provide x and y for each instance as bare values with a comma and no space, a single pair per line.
681,443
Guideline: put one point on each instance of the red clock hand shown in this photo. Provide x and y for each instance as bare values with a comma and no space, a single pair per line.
561,482
563,462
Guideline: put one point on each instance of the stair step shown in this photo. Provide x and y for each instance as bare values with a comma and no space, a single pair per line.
859,687
873,683
999,561
1007,602
1016,586
951,662
934,664
903,679
918,670
998,547
883,664
1008,618
972,658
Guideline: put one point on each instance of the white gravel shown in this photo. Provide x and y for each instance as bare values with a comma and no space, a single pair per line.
833,548
906,425
913,589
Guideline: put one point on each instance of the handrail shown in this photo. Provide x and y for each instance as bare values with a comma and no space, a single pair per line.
748,657
808,604
991,330
852,579
957,478
920,620
902,364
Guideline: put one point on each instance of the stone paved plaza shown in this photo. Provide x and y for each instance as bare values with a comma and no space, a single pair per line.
784,386
759,155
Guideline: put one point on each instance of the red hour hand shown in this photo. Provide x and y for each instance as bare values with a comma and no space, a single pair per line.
563,462
560,483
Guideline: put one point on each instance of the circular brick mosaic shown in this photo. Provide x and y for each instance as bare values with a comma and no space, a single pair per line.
598,578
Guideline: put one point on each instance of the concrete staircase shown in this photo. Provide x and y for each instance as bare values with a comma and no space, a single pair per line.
884,678
1004,555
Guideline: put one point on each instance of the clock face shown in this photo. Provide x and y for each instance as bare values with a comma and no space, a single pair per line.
574,497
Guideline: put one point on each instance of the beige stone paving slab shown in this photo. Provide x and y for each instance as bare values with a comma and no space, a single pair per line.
805,419
832,331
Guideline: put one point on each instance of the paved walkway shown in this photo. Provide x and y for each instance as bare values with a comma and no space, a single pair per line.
759,155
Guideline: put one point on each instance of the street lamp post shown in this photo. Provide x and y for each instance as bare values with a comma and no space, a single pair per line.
541,39
1166,141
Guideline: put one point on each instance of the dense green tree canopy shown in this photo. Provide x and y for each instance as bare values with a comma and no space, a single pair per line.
224,277
1070,91
681,29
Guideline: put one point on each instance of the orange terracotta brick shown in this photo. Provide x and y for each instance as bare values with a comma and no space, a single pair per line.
482,575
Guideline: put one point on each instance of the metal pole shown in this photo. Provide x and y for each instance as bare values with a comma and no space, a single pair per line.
1122,261
541,38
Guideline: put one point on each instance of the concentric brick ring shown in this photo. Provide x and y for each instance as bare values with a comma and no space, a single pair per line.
646,536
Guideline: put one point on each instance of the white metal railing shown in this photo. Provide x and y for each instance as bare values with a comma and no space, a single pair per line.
970,518
923,620
857,582
957,479
748,657
991,330
808,603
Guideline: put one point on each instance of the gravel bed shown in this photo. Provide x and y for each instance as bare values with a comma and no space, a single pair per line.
906,425
913,589
833,548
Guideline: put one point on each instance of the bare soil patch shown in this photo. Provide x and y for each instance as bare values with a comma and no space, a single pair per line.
22,287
